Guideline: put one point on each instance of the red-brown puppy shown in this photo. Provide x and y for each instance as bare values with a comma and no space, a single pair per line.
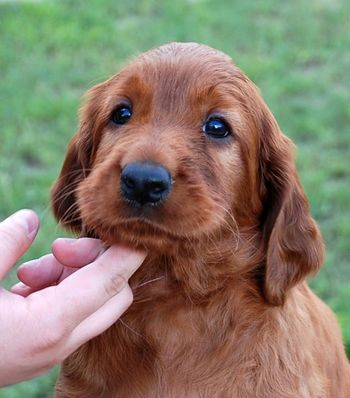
179,155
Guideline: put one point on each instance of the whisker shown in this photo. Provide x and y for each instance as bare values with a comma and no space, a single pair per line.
131,329
150,281
72,173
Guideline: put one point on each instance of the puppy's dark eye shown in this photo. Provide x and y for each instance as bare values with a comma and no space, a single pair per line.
216,128
121,115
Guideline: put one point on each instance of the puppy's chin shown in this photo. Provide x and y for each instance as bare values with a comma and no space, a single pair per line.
139,234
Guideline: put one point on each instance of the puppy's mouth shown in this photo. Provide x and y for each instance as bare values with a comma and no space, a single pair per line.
139,232
142,212
148,211
144,188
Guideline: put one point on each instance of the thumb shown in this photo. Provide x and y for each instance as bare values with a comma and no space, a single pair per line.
17,233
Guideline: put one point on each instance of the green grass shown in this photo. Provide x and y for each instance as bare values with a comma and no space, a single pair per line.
297,52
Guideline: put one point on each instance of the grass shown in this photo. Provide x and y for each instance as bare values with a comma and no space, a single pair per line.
297,53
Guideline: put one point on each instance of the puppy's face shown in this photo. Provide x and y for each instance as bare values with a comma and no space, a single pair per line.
177,147
165,156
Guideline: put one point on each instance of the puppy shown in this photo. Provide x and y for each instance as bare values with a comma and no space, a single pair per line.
178,155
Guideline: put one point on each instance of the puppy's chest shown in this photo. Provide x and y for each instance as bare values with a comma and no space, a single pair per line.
174,350
173,329
177,333
180,341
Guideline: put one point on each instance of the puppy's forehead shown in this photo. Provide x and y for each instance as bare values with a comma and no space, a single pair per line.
180,70
186,60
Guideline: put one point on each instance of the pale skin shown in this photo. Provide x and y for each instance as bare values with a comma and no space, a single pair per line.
63,300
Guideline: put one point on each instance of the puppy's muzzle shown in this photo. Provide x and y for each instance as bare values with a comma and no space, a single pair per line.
145,183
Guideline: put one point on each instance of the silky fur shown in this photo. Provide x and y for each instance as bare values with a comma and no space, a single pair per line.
221,307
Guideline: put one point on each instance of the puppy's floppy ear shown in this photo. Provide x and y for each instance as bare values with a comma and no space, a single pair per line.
63,192
293,244
77,164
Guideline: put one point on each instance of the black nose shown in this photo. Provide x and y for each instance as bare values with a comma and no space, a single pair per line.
145,183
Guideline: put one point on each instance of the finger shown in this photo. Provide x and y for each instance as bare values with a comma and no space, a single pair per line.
16,234
82,293
100,320
22,290
76,252
66,272
42,272
47,270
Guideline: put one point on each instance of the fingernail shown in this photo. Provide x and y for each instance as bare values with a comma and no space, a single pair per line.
30,264
68,241
28,220
18,286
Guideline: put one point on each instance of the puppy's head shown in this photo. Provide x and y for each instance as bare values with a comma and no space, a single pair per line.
179,146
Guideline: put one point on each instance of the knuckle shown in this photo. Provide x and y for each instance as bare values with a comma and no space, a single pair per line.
129,297
115,285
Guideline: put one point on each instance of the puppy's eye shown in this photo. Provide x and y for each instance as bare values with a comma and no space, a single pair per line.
121,115
216,128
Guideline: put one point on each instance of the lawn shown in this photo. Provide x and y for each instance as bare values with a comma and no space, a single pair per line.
297,52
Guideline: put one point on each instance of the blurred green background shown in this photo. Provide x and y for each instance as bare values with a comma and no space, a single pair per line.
297,52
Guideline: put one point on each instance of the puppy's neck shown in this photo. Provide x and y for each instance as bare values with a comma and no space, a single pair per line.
197,270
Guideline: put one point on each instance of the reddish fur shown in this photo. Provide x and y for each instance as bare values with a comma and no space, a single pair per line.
221,308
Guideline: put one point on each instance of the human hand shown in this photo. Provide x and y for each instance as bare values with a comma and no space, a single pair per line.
40,326
68,256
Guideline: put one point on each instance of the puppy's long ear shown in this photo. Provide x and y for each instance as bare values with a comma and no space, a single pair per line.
293,244
77,164
63,192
